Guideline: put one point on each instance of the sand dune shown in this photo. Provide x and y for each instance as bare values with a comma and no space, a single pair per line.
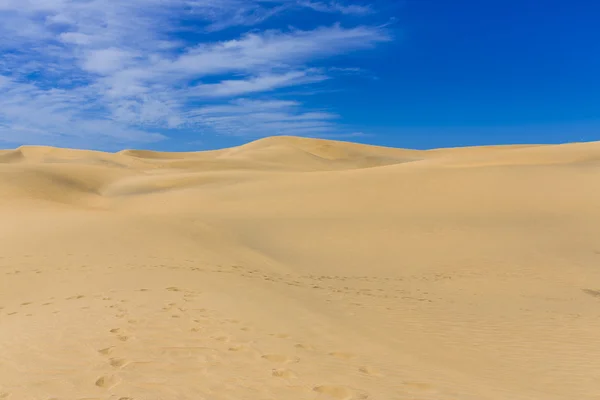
294,268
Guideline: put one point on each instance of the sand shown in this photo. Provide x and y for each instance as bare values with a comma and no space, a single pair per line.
295,268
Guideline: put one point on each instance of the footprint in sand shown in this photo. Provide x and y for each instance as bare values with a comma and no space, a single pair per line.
106,351
283,373
369,371
239,347
120,335
118,362
337,392
303,346
4,395
107,382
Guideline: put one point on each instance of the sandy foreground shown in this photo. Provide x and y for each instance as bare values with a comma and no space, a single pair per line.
295,268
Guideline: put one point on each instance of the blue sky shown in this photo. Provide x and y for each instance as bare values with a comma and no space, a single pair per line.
201,74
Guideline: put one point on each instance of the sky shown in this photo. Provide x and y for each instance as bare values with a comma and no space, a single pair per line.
185,75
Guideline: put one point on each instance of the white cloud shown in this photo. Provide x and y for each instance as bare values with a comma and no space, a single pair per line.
4,81
106,61
75,38
254,54
335,6
28,113
122,70
256,118
261,83
244,106
276,48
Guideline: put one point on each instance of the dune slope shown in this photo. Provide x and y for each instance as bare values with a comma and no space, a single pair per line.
294,268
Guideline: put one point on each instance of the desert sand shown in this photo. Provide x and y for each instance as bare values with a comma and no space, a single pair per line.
293,268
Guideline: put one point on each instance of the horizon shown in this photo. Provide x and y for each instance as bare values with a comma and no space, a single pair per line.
297,137
199,75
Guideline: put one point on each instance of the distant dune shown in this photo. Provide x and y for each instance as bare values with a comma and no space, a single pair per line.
292,268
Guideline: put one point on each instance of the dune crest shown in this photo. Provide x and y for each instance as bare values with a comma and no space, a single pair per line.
301,268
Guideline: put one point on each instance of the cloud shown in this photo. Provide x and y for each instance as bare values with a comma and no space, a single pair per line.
4,81
75,38
138,70
258,118
226,13
106,61
335,6
271,49
32,115
262,83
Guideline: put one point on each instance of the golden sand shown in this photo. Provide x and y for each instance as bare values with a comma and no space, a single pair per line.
294,268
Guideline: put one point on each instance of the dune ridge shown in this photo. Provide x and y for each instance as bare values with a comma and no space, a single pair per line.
301,269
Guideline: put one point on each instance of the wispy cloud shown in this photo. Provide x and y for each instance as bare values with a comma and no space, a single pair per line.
262,83
29,114
255,118
130,71
335,6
